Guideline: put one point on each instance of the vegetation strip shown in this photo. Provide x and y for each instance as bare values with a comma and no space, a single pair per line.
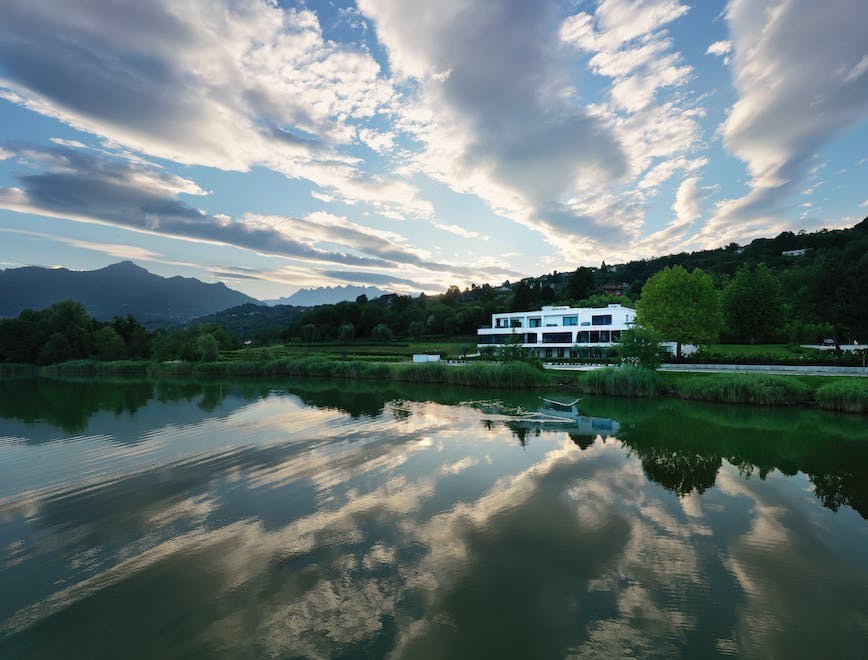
844,394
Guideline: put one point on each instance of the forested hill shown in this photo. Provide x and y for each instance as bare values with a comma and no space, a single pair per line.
821,290
118,290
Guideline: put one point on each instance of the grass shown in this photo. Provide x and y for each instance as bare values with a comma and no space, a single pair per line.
845,395
758,389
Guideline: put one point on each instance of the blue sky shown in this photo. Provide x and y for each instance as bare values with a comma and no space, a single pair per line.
416,145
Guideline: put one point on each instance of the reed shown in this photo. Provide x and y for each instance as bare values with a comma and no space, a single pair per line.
845,395
758,389
621,381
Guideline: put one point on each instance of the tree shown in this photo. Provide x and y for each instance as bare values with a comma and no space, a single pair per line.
108,344
208,348
308,333
382,332
641,347
347,332
753,305
56,349
681,306
581,283
416,329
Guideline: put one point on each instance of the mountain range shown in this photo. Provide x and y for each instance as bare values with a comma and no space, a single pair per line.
327,295
116,290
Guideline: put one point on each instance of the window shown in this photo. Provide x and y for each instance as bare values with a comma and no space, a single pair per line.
571,320
557,337
583,337
514,323
534,323
616,335
530,338
595,337
601,319
604,335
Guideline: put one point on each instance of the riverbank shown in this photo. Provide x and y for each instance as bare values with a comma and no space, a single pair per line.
845,394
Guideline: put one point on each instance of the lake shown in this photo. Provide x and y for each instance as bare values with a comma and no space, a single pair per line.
327,519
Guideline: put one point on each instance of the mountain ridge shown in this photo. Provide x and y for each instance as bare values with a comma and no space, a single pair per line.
119,289
327,295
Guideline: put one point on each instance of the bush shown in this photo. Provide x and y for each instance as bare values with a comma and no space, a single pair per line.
846,395
760,389
621,381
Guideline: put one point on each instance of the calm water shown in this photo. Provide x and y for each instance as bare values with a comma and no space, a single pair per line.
321,520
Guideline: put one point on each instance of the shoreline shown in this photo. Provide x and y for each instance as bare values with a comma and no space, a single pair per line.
839,393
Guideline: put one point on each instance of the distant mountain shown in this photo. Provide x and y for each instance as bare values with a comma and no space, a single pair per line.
327,295
120,289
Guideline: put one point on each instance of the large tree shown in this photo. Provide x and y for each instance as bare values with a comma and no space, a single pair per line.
581,283
753,305
681,306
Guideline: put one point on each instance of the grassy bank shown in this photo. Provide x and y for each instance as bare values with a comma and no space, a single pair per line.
513,376
847,394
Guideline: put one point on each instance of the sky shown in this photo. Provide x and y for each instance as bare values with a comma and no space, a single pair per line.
414,145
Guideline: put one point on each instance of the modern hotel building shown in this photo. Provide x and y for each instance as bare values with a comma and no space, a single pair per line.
555,330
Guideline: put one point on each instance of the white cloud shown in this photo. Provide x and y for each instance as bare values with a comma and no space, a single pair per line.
230,86
495,109
788,104
719,48
459,231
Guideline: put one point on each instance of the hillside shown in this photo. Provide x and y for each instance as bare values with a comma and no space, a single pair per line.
120,289
824,286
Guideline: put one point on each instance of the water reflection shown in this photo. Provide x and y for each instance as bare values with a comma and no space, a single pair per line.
291,519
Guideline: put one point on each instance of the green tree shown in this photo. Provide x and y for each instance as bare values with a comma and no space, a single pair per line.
580,283
382,332
208,348
108,344
681,306
753,305
56,349
347,332
641,347
416,329
308,333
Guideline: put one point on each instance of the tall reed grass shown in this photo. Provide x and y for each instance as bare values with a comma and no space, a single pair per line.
844,395
621,381
758,389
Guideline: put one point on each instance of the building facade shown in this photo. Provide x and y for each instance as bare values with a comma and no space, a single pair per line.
556,331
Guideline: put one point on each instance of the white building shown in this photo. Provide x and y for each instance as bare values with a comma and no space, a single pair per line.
555,330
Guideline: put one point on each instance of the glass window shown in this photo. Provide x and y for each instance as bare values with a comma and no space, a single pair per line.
571,320
601,319
534,323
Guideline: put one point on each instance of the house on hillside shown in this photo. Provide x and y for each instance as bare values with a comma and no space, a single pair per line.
556,330
794,253
614,289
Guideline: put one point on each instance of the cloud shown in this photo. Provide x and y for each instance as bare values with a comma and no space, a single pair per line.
797,89
230,85
496,112
719,48
93,188
459,231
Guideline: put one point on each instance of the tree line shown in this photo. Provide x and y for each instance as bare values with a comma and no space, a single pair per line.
65,331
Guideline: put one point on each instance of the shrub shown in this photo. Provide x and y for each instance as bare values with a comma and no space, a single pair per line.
846,395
